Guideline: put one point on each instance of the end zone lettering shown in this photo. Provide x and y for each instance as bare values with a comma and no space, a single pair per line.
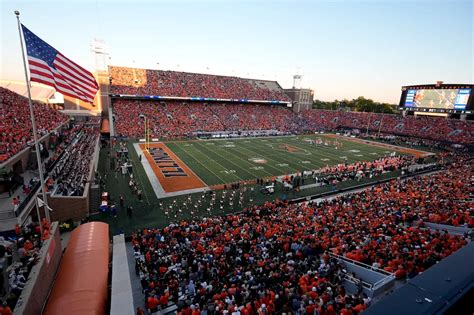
167,165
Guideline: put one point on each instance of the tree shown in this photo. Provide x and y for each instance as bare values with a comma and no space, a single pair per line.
360,104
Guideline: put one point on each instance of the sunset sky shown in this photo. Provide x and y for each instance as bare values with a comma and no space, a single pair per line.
343,49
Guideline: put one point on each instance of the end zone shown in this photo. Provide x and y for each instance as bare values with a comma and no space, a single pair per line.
168,175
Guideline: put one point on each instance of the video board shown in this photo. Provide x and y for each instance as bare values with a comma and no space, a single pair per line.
448,99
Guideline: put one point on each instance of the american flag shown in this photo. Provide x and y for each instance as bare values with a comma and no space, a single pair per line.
50,67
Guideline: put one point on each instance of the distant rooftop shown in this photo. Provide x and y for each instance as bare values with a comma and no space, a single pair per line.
39,92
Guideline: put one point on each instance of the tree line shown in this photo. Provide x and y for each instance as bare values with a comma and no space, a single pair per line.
360,104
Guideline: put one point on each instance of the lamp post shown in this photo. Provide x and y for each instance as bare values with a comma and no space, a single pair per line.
147,133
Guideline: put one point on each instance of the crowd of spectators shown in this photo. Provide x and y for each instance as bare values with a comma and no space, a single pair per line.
71,172
404,140
59,141
276,256
434,128
15,124
443,197
184,84
177,120
331,175
17,258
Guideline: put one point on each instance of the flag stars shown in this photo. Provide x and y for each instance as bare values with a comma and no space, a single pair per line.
42,58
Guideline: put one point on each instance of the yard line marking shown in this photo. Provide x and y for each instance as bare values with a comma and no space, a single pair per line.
268,158
323,151
238,166
187,153
272,156
313,163
246,161
215,161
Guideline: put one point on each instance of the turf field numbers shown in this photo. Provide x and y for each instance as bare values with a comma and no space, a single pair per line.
228,171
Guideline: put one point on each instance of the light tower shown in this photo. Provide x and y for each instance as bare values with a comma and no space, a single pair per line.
101,54
297,81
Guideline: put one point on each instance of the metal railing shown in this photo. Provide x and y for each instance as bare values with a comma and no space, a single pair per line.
25,202
355,262
388,275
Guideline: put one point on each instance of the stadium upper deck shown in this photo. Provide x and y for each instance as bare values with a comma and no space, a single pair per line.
134,81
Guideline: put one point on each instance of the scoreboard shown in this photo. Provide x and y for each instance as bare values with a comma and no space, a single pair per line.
439,98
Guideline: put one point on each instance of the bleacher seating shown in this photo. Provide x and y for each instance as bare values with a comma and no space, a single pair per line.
178,120
276,256
15,124
184,84
71,171
435,128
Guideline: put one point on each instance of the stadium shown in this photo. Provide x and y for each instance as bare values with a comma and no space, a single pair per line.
174,192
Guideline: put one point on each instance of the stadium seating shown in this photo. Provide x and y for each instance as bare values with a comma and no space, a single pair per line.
173,119
442,198
275,256
184,84
71,170
434,128
178,120
358,170
28,243
15,124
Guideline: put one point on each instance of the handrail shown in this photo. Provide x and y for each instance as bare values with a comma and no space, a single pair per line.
388,275
392,276
350,278
25,202
385,272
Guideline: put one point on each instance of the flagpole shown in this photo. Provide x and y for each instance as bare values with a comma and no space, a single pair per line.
38,214
33,123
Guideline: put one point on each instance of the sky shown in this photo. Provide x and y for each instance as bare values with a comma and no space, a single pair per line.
343,49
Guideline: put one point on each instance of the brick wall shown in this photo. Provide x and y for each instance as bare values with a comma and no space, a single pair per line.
65,208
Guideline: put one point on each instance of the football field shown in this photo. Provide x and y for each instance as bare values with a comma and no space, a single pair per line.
225,161
215,162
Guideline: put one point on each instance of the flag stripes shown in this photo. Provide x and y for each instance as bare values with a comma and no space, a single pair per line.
48,66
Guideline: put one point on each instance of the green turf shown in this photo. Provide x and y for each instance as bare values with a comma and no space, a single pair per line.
226,161
151,212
